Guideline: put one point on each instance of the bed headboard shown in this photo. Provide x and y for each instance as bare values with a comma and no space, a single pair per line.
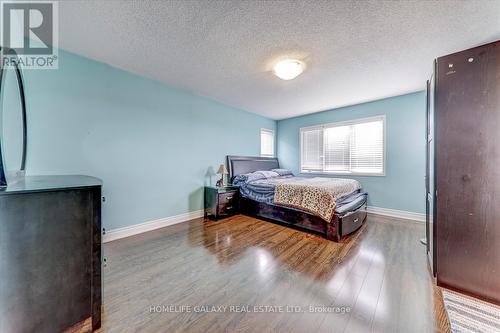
239,165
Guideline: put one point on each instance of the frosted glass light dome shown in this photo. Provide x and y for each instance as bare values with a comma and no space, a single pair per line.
288,69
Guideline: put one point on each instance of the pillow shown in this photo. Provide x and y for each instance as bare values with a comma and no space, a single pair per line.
267,174
257,175
240,179
283,172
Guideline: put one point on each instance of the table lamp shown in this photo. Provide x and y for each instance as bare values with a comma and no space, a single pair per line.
222,171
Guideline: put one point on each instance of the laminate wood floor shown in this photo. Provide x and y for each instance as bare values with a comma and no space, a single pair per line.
216,277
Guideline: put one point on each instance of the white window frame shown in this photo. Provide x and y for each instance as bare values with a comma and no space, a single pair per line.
274,142
346,123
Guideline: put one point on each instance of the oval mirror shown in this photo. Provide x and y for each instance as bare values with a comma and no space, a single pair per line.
12,124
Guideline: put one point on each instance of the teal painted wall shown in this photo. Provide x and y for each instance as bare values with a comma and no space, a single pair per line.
403,186
151,144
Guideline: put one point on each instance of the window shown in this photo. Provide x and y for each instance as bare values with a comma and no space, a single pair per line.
266,142
355,147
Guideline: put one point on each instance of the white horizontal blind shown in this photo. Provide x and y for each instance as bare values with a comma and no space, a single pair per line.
266,142
337,143
312,149
354,147
367,148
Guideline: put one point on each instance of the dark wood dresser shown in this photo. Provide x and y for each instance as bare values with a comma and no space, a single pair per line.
221,201
50,254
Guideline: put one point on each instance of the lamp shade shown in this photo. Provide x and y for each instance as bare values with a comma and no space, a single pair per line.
222,170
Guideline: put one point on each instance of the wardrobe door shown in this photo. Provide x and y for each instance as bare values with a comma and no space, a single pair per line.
467,141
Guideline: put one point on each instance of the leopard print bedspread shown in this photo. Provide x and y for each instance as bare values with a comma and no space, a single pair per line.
315,195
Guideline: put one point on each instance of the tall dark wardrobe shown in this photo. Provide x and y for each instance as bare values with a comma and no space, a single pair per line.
463,171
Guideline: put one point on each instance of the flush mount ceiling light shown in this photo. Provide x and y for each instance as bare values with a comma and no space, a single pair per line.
288,69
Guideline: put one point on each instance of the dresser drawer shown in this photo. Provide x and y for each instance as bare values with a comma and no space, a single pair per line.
227,208
227,198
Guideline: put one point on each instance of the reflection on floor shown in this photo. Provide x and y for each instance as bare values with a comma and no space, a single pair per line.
243,274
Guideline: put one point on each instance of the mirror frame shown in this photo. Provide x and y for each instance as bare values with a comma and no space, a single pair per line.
20,84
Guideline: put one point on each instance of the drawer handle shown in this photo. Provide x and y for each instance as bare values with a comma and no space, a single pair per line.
356,219
229,198
229,207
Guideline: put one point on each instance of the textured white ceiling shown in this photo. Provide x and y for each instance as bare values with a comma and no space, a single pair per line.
355,51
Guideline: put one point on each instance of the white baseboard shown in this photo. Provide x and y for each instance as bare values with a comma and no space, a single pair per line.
118,233
417,217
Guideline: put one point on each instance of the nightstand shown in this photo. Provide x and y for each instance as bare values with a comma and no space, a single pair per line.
221,202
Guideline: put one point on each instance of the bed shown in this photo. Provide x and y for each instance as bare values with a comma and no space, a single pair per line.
257,200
